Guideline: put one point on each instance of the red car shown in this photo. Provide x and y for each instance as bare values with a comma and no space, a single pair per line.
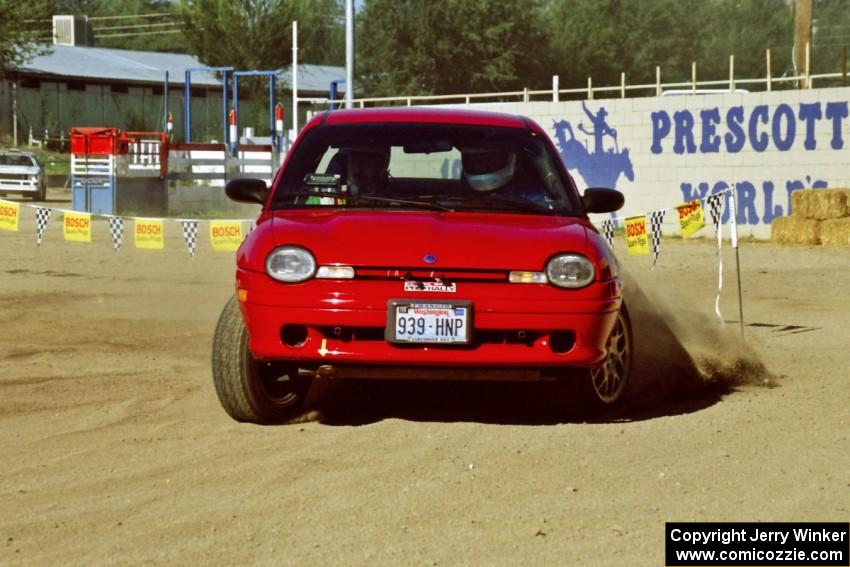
420,243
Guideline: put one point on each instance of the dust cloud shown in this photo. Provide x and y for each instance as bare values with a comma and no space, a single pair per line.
680,352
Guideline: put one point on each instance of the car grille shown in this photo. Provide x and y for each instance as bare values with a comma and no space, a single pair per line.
418,274
480,337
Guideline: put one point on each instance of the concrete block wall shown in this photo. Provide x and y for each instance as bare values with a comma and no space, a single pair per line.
765,145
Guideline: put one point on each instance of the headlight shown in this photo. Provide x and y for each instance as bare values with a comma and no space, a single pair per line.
290,264
570,270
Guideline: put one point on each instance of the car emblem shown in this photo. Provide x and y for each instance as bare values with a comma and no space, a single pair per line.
430,258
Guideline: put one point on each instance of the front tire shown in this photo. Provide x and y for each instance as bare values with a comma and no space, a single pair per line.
250,390
41,193
605,386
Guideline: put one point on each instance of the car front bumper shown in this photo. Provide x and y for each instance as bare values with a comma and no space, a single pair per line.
514,325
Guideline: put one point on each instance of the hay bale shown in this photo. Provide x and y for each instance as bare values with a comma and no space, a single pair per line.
821,204
835,232
793,230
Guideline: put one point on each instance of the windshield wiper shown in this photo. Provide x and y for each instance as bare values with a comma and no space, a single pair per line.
501,202
423,204
360,197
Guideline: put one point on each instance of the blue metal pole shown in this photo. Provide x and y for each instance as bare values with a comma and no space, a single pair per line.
187,108
224,105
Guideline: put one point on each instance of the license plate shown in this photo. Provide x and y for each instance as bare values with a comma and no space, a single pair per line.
429,322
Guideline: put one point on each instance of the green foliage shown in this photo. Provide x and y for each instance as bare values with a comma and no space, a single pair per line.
18,36
831,39
257,34
602,38
413,47
425,47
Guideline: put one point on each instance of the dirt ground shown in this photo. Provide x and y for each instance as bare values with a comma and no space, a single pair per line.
115,449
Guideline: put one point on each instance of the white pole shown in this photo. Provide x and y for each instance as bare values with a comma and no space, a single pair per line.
623,85
733,232
555,80
768,70
694,77
349,53
808,70
731,73
294,79
657,80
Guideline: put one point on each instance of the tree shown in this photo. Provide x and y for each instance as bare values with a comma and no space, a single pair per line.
415,47
18,36
745,29
602,38
831,38
257,34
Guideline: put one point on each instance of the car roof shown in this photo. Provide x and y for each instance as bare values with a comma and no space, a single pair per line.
427,115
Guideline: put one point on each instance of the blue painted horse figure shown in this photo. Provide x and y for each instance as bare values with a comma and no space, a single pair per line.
602,168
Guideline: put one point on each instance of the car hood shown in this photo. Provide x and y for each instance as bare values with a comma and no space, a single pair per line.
454,239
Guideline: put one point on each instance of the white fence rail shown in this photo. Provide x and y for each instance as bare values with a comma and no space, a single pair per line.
804,79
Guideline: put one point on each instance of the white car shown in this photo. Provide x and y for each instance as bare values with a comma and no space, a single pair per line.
21,172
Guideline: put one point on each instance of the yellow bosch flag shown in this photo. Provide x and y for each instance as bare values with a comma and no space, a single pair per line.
225,236
637,242
77,227
9,215
149,234
691,217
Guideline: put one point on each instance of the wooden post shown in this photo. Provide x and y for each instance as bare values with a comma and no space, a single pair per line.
623,85
802,36
657,80
589,88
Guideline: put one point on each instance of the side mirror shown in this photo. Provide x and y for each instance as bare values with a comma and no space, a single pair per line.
247,191
602,200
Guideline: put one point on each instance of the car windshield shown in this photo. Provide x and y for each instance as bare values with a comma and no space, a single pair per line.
18,160
425,166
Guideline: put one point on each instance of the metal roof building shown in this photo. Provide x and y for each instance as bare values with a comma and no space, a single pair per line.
75,85
135,67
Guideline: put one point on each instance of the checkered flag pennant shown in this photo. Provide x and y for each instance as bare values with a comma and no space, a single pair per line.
608,232
190,234
656,219
42,215
116,231
715,207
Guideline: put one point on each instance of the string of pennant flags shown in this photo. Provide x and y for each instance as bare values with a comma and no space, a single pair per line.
642,232
149,233
641,241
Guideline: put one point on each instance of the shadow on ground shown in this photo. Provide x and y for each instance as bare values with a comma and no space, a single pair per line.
682,363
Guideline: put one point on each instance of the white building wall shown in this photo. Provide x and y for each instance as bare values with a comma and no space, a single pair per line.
792,148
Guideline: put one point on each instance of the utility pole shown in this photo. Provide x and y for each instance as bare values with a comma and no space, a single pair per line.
802,37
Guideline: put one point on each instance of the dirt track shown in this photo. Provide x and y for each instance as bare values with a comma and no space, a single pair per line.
115,449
